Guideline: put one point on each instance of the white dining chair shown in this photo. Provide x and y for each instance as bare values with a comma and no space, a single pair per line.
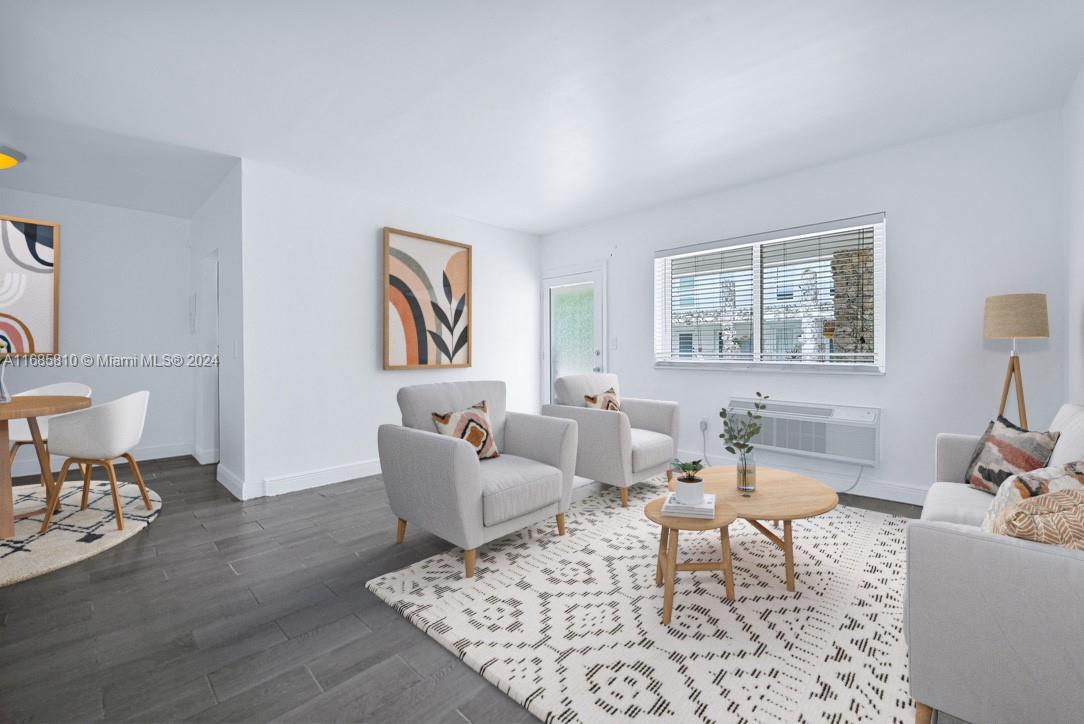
97,436
19,430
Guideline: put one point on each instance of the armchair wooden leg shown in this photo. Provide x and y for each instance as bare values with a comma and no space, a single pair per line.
139,480
624,497
560,524
923,714
468,562
116,497
400,531
670,480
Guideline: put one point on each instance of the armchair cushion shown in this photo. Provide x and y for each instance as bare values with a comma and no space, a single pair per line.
650,449
418,403
471,425
571,389
513,486
955,503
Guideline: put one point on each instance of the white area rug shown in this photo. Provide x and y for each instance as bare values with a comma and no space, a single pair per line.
73,534
571,628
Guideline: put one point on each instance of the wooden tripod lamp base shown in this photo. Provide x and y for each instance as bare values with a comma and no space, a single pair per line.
1011,374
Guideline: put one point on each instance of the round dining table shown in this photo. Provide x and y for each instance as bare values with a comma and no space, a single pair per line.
30,407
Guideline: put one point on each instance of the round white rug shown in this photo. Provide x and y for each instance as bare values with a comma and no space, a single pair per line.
73,534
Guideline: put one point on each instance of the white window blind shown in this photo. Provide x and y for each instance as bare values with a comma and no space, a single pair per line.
808,296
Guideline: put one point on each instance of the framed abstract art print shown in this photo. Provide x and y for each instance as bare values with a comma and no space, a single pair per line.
28,286
427,301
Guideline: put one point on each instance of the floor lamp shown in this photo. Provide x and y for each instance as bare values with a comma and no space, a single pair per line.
1015,316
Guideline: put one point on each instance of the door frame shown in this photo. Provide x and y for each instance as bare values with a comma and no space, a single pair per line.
566,275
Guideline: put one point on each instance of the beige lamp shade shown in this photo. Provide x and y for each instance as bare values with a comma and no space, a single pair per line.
1016,316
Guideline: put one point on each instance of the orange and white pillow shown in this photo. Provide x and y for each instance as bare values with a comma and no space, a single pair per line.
603,401
472,425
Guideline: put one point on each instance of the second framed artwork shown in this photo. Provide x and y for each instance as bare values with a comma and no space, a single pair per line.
427,301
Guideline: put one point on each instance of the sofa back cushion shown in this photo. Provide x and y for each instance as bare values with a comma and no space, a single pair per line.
1070,423
571,389
417,403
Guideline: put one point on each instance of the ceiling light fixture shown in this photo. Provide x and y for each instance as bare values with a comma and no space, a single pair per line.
9,157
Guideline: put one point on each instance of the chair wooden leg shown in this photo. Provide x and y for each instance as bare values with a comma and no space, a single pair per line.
116,496
923,714
560,524
400,531
53,498
139,480
624,497
468,562
86,468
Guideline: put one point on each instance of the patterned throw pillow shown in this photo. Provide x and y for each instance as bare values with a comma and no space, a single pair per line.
471,425
1006,450
1055,518
1028,485
604,401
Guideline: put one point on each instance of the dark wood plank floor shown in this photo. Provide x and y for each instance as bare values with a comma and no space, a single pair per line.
230,611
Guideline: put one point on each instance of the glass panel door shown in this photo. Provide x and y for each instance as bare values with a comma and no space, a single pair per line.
573,326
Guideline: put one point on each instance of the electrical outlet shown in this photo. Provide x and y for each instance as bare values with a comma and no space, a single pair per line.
703,424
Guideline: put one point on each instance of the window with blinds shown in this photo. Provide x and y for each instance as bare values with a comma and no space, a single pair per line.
808,296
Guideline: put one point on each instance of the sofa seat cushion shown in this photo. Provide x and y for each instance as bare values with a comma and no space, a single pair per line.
956,503
513,486
650,449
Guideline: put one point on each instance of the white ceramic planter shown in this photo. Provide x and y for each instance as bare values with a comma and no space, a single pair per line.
690,493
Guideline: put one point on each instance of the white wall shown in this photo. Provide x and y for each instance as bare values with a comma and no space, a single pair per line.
216,229
969,214
315,391
124,286
1073,124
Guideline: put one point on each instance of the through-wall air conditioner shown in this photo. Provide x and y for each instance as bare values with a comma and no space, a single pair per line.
830,432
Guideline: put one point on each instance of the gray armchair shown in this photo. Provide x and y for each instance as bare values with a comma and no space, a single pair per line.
617,448
438,483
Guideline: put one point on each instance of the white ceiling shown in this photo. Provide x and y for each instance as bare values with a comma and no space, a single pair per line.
535,115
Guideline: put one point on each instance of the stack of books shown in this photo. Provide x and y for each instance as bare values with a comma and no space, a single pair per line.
706,509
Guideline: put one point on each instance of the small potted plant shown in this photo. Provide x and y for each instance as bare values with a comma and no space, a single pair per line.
738,433
689,487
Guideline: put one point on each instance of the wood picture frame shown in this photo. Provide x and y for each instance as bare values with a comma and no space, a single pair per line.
428,309
29,266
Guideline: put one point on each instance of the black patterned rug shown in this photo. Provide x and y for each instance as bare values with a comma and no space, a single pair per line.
73,534
570,627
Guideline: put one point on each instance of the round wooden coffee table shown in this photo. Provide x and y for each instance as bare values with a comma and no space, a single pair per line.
667,565
780,495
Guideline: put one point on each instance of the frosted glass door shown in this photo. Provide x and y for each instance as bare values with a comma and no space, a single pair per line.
574,326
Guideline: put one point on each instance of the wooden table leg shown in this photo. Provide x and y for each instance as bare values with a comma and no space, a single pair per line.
670,573
728,570
7,499
788,554
52,492
663,537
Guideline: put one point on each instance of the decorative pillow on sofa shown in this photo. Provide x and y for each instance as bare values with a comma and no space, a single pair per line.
471,425
603,401
1006,450
1055,518
1028,485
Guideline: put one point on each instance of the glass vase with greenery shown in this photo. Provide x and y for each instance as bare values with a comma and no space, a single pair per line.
738,433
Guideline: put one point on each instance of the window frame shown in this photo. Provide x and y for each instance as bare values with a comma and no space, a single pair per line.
662,325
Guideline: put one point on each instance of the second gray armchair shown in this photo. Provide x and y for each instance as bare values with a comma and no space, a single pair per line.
617,448
437,482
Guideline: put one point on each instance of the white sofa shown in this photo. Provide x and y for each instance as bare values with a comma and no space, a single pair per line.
995,625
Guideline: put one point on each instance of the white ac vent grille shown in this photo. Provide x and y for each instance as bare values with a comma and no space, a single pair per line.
832,432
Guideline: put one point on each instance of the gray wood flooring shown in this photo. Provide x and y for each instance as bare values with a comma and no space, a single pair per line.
230,611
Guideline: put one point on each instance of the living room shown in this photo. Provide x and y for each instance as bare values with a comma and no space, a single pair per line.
306,248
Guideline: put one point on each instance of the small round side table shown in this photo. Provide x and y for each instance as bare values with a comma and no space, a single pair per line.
667,565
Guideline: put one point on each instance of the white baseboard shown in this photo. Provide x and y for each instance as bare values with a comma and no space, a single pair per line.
206,455
868,487
27,462
315,478
230,481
